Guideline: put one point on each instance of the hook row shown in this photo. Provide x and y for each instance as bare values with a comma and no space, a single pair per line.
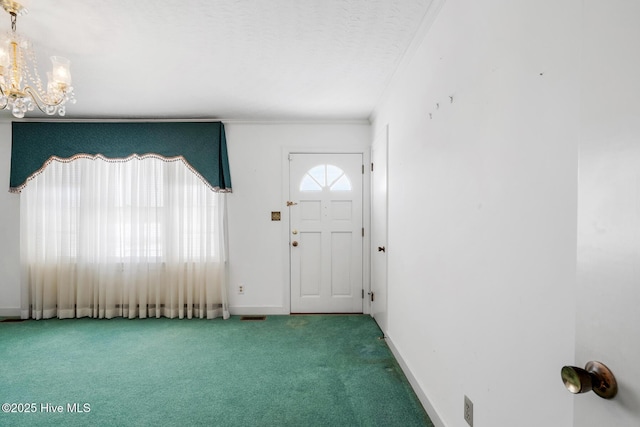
438,106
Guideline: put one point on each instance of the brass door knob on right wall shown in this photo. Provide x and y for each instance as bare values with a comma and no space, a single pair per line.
595,376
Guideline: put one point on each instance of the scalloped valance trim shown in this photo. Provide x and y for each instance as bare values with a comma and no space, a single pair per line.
134,156
201,145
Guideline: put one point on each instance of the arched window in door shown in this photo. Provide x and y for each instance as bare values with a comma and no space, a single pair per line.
323,177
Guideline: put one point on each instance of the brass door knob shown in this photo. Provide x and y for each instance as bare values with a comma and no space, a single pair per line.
294,243
595,376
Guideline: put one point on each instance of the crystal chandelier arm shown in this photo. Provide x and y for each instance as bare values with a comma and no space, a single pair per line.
44,106
3,98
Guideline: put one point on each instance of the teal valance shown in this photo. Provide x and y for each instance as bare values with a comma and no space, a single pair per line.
202,145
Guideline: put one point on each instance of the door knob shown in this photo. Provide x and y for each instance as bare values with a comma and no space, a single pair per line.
294,243
595,376
381,249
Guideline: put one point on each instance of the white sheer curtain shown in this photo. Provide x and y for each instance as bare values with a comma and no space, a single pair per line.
140,237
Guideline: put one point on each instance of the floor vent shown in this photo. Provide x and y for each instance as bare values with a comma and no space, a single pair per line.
253,317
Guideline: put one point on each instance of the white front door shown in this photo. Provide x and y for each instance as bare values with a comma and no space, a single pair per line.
325,191
379,185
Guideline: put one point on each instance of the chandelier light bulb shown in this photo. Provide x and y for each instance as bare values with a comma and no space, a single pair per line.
61,72
5,60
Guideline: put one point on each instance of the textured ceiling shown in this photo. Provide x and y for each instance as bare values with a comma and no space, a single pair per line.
229,59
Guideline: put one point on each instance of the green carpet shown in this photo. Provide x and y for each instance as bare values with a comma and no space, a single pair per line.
283,371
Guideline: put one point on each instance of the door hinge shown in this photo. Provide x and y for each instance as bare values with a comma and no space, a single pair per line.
371,166
362,231
363,294
362,169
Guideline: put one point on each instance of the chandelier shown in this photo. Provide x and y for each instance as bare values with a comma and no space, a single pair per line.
21,88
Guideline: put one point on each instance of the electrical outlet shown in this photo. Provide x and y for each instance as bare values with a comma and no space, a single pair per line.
241,289
468,411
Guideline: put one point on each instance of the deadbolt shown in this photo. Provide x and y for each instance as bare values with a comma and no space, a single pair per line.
294,243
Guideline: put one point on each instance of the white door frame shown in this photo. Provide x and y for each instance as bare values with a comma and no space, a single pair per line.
379,285
366,216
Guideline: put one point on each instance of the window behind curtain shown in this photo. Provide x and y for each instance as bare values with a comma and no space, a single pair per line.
141,237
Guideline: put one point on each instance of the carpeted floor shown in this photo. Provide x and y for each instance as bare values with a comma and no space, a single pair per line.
283,371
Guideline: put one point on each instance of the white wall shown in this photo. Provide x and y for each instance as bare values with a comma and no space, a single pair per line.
482,210
258,246
9,232
608,297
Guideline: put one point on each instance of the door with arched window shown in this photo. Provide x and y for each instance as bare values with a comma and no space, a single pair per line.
325,230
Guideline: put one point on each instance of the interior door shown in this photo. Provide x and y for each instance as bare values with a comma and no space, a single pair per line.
379,153
326,237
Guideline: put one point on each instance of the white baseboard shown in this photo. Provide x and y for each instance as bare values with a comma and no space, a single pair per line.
431,411
257,310
10,312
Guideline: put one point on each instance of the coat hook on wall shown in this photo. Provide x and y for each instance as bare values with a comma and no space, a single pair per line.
430,116
451,99
437,106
